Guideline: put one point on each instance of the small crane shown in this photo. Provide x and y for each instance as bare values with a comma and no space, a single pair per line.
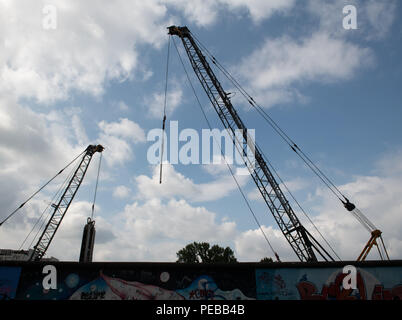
376,234
62,205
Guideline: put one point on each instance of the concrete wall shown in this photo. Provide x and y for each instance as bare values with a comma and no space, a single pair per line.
172,281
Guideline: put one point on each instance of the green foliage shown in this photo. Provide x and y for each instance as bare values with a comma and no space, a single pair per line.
197,252
266,260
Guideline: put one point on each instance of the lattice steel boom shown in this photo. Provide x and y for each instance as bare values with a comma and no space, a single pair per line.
63,204
302,242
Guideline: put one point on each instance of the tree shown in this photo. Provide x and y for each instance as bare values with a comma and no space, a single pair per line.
266,260
202,252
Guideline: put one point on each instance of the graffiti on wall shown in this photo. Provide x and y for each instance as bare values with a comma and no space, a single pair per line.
9,277
139,284
327,284
173,282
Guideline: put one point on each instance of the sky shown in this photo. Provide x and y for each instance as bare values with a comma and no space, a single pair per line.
74,73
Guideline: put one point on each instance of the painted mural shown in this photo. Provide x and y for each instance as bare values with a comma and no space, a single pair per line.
75,281
139,284
376,283
9,277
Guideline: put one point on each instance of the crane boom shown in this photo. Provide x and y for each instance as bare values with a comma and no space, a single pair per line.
302,242
63,204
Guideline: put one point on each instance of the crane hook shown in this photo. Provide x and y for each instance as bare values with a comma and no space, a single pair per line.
348,205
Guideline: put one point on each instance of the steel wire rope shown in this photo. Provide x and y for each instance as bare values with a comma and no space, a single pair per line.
280,132
164,111
40,189
96,186
49,212
274,125
223,156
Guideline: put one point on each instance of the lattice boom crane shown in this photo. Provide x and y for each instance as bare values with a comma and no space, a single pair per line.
63,204
302,242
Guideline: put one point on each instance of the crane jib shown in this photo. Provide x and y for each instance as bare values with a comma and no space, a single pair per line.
63,204
302,242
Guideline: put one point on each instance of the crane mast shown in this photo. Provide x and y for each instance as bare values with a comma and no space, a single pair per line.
63,204
302,242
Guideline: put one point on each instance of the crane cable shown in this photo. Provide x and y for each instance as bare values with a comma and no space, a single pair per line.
284,136
275,126
329,184
40,189
364,221
62,186
300,207
59,191
223,156
96,186
164,111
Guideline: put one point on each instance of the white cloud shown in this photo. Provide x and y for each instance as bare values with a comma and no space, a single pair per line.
94,42
34,147
124,128
283,61
275,72
280,64
377,196
121,192
176,185
202,12
67,241
261,9
155,231
118,137
206,12
98,42
122,106
380,15
155,104
374,18
251,245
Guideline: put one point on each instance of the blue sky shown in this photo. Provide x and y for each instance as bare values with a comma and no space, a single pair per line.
99,77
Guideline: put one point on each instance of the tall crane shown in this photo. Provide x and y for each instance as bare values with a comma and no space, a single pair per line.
60,209
305,246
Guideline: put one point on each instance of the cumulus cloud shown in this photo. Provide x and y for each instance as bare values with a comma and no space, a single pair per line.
155,103
276,71
121,192
155,231
176,185
276,68
261,9
124,128
33,147
98,42
93,42
118,137
251,245
377,196
206,12
381,16
374,18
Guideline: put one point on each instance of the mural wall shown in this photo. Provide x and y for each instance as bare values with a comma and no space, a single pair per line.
142,281
381,283
138,282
